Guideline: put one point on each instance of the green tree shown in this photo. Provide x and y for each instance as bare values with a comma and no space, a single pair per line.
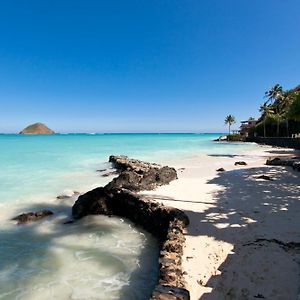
230,119
274,95
294,109
266,111
285,102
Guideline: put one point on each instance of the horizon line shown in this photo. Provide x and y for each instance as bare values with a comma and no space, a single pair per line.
94,133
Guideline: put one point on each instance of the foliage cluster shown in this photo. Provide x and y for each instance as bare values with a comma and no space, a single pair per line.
280,110
234,137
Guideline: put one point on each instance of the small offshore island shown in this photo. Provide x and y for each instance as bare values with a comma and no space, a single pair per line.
37,128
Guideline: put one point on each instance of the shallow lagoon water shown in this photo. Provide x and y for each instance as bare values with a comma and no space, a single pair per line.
98,257
95,258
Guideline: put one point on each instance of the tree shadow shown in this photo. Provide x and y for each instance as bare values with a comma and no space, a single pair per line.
252,215
284,152
248,209
158,197
29,255
227,155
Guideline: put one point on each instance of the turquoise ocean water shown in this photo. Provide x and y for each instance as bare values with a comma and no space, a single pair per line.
99,257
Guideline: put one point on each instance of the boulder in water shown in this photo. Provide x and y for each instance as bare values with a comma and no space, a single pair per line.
68,195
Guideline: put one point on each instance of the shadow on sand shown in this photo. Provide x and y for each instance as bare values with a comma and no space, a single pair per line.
284,152
259,218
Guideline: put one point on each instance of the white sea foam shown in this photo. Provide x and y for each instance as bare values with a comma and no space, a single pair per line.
91,259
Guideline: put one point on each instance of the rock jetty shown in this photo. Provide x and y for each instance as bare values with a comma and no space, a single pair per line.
119,198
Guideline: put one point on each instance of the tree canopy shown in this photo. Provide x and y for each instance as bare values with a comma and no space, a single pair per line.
294,109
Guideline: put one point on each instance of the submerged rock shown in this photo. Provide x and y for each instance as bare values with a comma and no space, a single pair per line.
32,216
37,128
67,195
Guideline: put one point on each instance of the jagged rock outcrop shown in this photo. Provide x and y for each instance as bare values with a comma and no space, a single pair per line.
136,175
32,216
151,215
165,223
37,128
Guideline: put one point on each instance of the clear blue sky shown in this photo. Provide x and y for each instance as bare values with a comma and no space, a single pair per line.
144,65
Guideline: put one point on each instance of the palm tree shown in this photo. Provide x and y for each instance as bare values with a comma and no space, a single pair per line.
230,119
266,111
274,95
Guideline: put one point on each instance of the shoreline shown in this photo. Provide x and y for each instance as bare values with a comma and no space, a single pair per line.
223,221
198,192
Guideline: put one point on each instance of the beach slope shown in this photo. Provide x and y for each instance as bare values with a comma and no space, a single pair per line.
243,241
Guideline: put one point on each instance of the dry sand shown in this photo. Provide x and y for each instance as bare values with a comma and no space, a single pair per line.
240,226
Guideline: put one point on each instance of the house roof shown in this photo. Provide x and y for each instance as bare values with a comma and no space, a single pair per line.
296,89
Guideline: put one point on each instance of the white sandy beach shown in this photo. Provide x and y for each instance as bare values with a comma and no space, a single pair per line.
237,223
